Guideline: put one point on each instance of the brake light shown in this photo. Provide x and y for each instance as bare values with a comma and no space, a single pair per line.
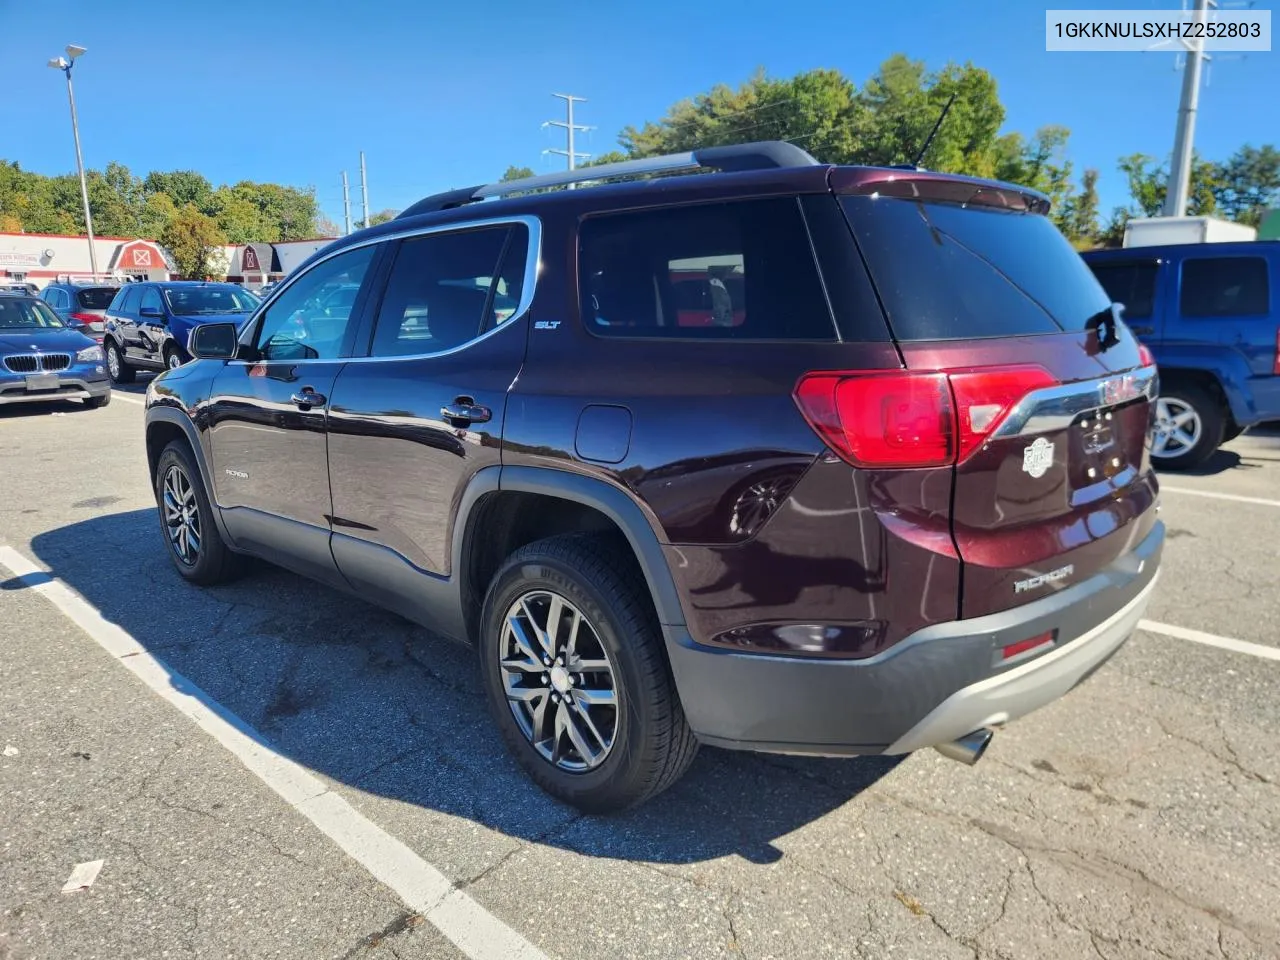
902,418
1148,359
84,317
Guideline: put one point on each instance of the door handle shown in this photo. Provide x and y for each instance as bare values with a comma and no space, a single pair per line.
307,398
464,411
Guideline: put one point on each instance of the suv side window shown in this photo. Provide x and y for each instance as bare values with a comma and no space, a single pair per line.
55,298
309,321
1224,287
739,270
1133,284
151,301
446,288
127,302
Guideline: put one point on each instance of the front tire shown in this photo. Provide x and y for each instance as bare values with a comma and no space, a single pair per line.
186,519
1190,425
172,357
93,403
576,677
119,371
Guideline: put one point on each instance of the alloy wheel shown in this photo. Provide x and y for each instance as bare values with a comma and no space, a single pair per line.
559,681
181,515
1178,427
175,361
113,362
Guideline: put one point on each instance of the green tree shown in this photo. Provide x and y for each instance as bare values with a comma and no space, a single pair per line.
182,186
157,211
1248,183
383,216
239,218
1078,218
516,173
194,242
1148,185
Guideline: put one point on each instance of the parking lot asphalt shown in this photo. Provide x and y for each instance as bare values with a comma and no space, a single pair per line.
1138,817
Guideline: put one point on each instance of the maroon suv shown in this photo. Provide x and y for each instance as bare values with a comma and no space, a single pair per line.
788,457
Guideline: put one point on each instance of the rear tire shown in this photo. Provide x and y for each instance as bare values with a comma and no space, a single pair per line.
1186,412
644,743
93,403
196,548
172,357
119,371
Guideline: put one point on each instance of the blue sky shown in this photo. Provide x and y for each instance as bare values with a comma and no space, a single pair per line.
290,90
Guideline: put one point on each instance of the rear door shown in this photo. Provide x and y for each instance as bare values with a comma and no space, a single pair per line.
151,326
122,319
1051,397
1230,299
412,422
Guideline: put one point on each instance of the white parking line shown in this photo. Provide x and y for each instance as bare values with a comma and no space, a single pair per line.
424,889
1165,488
1211,640
116,395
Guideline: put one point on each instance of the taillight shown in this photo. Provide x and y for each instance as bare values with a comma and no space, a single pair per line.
84,317
1148,359
902,418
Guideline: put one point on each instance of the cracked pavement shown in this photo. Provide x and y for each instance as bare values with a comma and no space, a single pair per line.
1137,818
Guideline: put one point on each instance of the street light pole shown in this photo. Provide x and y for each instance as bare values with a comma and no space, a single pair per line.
65,64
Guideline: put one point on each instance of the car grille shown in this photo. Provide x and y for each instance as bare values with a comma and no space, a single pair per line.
36,362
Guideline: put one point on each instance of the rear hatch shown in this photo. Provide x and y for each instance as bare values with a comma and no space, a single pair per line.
90,307
1049,390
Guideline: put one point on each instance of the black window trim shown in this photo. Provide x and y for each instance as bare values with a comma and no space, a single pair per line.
683,205
1203,257
533,258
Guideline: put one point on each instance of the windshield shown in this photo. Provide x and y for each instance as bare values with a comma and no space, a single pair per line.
208,300
26,315
96,298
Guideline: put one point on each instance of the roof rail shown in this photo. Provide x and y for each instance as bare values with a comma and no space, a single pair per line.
764,155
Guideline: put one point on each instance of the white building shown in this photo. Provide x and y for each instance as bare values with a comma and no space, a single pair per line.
41,258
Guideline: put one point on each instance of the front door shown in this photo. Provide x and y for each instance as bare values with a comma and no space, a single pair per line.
152,327
267,418
411,423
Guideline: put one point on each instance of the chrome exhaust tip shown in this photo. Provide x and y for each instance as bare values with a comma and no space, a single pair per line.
969,748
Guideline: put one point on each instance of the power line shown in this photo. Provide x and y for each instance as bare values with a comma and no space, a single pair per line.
570,128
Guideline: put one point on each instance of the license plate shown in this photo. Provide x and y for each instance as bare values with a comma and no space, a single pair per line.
42,381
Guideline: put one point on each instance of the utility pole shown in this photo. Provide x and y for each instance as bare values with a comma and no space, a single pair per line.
570,129
1179,188
65,64
346,205
364,189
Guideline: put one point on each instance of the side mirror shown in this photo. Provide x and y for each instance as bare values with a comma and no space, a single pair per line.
214,341
151,312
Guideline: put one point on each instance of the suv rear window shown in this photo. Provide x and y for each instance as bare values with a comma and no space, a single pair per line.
946,271
96,298
741,271
1133,284
1224,287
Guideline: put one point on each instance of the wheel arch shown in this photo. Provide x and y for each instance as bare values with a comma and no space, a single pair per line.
524,504
164,425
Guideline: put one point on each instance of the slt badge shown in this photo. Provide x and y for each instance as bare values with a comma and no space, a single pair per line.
1038,458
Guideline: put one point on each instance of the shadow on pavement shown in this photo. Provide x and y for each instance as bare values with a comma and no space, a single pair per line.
370,700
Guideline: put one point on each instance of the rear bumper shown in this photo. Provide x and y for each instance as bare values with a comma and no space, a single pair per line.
933,687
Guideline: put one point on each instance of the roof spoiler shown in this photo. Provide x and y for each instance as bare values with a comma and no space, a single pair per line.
764,155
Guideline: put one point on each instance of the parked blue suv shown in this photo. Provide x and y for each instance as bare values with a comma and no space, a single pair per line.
1210,312
148,325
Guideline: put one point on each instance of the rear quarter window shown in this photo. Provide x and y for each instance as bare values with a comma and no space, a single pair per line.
1224,287
742,270
96,298
948,271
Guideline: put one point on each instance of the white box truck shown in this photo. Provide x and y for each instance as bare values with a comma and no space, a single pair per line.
1162,231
